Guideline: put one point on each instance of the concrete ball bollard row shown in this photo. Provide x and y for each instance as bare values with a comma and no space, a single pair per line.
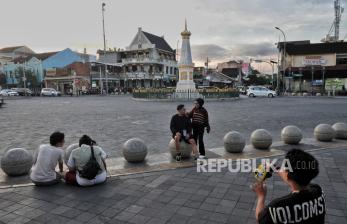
185,149
234,142
291,135
340,130
135,150
261,139
16,162
324,133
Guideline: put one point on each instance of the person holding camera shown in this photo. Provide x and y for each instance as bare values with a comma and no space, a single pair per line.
305,203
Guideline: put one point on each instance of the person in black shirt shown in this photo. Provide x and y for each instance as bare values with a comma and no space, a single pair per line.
181,129
306,202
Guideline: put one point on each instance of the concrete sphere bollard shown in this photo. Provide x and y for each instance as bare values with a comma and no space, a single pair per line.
305,94
135,150
185,149
234,142
261,139
16,162
293,94
340,130
324,132
69,150
318,94
291,135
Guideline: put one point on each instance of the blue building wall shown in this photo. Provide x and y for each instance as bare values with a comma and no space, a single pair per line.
61,59
11,71
58,60
64,58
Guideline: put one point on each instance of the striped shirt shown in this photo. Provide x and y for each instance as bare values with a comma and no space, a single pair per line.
199,117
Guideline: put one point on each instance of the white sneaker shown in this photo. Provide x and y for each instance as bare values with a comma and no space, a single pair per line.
202,157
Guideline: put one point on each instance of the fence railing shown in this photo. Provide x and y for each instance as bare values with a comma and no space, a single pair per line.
169,93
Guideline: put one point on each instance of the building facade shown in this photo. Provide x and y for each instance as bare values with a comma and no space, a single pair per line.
148,62
314,67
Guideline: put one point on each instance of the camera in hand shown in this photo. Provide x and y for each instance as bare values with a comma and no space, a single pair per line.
262,173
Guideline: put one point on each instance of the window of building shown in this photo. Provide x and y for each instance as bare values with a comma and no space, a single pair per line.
134,68
167,70
171,70
341,61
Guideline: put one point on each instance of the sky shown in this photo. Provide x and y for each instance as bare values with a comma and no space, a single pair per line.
221,29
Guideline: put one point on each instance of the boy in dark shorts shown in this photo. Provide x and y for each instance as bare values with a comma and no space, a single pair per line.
181,128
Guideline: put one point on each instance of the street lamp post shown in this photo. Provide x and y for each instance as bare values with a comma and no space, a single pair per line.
104,35
284,55
323,83
312,72
24,78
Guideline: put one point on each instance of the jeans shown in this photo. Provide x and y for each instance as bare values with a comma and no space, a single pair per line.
48,183
198,135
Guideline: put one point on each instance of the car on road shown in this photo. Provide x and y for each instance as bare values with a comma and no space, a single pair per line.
50,92
8,92
23,91
254,91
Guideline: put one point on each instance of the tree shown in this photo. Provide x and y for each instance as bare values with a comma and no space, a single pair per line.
31,79
2,79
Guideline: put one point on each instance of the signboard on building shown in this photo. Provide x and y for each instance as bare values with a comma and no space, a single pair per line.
313,60
334,84
245,68
317,82
51,72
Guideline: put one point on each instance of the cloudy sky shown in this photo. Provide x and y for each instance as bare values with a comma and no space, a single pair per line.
221,29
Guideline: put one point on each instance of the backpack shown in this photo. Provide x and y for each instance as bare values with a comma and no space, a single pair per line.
92,167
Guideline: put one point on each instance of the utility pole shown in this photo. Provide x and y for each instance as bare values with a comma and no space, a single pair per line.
284,56
103,26
24,78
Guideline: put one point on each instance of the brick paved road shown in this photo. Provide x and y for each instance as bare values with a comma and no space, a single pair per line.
113,120
176,196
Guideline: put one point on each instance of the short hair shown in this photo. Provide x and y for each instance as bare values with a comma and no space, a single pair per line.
304,166
86,140
179,107
200,101
56,138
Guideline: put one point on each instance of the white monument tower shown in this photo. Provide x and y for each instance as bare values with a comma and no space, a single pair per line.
186,87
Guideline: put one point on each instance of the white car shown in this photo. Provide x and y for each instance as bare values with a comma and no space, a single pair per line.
254,91
49,92
8,92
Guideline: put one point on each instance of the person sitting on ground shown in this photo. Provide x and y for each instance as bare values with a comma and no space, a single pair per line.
46,158
199,116
181,129
81,162
305,203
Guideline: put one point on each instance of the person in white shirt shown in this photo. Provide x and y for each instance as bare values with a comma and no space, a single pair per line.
46,158
79,158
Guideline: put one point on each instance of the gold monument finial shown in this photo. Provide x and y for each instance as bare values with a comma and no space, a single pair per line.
185,33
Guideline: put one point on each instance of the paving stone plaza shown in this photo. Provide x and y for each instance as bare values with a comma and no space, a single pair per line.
174,192
111,121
